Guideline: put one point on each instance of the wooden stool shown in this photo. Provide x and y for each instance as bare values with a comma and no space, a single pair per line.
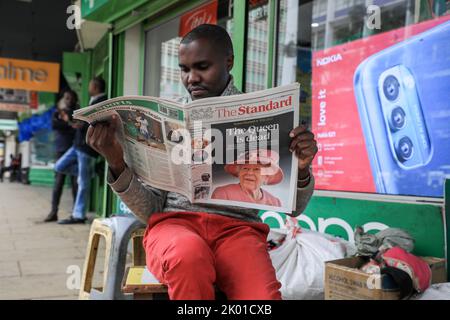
140,282
138,249
117,232
143,285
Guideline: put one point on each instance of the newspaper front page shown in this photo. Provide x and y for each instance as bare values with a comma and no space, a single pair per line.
231,150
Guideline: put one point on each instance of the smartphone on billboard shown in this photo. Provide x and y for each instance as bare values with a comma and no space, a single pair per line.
403,98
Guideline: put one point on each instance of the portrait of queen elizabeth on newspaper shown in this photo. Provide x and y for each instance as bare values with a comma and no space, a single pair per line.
254,169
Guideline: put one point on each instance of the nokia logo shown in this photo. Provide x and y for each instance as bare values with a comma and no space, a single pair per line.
328,60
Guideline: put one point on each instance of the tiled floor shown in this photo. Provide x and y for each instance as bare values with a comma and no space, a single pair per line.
35,257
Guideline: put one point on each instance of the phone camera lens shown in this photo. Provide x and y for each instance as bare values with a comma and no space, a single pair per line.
405,149
391,88
398,118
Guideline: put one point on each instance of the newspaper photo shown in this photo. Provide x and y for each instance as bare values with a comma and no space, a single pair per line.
230,150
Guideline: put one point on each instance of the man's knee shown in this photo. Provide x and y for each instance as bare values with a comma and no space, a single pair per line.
187,256
183,255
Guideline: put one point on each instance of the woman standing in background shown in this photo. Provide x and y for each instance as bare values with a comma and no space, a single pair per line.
64,135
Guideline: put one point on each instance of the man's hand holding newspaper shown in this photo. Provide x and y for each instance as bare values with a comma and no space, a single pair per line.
244,150
304,146
101,136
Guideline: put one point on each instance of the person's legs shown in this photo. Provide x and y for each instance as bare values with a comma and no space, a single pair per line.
74,188
58,184
13,174
180,258
56,196
59,187
6,169
2,171
84,179
19,174
67,164
243,265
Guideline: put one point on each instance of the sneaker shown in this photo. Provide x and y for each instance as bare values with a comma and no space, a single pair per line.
72,220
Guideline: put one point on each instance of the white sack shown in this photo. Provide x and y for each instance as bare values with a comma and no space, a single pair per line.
300,260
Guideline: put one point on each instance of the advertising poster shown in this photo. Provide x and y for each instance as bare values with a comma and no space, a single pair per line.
381,112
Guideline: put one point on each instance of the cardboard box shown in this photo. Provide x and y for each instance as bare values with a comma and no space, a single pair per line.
438,270
344,280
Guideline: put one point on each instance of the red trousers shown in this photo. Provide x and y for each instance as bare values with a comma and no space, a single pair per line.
191,252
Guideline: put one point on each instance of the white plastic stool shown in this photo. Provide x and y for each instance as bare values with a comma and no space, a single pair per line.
117,232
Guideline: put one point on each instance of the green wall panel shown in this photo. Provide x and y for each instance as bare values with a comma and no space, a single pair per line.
90,7
99,54
47,98
107,10
239,38
447,219
44,177
41,177
150,9
340,217
77,71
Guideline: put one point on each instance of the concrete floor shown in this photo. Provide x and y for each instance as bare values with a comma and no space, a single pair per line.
35,256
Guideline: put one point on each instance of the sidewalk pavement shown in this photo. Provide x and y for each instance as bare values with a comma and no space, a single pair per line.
34,256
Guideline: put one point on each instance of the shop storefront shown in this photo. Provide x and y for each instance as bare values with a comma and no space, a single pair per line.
27,92
375,79
78,69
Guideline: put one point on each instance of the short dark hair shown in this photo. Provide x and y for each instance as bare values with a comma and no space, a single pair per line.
99,83
71,92
215,34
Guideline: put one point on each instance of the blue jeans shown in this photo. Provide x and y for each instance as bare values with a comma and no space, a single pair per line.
77,163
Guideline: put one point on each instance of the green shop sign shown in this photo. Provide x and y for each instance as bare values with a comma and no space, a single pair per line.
340,217
89,6
97,10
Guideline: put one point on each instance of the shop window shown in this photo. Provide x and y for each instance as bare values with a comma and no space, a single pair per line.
377,96
320,8
257,46
162,73
342,4
294,48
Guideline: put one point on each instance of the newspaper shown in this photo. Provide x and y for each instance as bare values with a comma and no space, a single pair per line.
231,150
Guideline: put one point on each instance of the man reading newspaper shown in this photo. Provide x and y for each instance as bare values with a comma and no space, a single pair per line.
193,247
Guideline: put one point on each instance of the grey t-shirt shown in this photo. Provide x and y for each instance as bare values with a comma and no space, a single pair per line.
144,200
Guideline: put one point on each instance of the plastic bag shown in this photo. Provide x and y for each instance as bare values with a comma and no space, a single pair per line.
439,291
300,260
